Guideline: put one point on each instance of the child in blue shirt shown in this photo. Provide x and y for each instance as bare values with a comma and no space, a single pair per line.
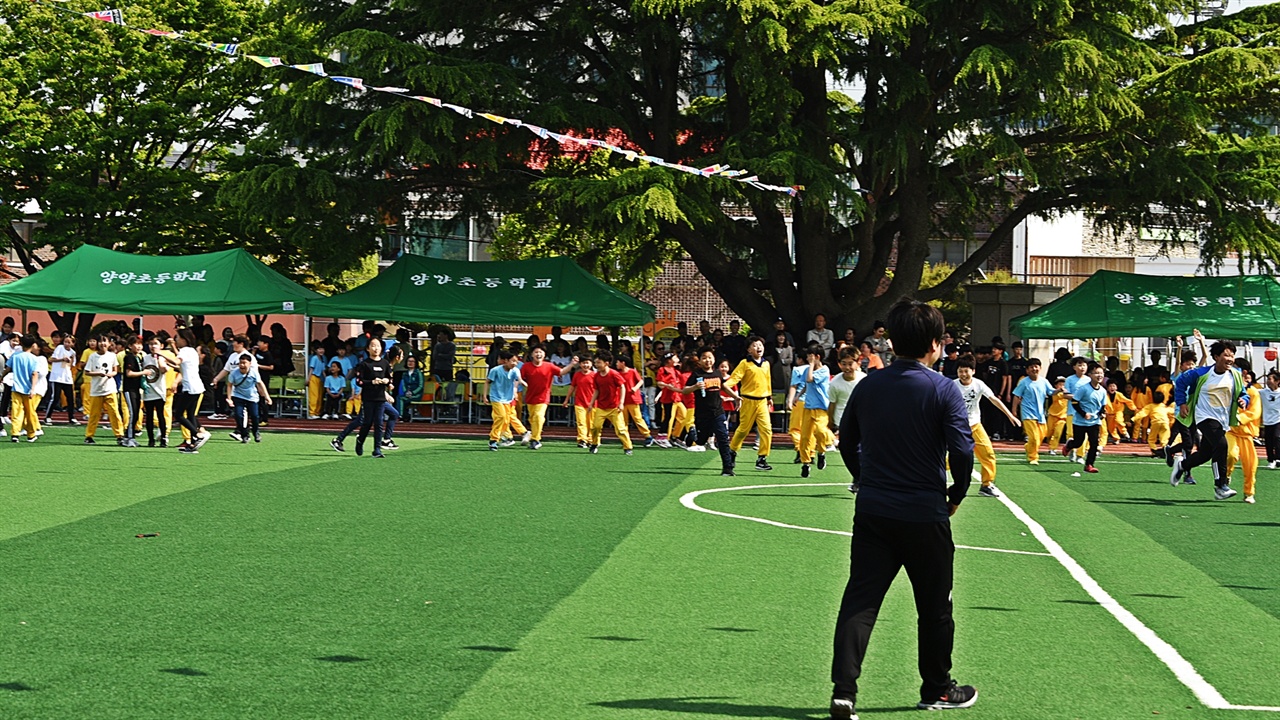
317,368
335,391
814,425
245,388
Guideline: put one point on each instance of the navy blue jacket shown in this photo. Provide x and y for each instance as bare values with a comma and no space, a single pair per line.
899,430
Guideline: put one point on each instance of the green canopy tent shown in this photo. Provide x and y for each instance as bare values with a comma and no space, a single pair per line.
97,280
1117,304
548,291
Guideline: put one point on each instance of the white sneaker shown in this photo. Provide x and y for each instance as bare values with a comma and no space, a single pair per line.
507,443
1175,475
1273,465
697,448
1223,493
526,437
1249,499
39,433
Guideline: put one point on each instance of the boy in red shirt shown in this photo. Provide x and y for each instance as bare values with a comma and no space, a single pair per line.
631,404
611,388
667,379
538,374
584,389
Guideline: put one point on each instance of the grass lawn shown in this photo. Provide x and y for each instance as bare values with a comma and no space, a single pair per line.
447,581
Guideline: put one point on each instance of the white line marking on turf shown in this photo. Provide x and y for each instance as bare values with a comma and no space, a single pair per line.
690,500
1166,653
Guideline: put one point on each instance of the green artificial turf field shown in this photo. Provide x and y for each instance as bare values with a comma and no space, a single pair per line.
447,581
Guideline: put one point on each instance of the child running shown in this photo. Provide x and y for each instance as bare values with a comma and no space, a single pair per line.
1029,399
606,401
1059,407
503,380
245,390
584,388
538,374
817,397
1270,396
706,385
1158,415
101,368
973,391
1088,404
1240,447
754,386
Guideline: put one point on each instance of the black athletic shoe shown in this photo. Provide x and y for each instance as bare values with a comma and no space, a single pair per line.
593,449
727,472
87,441
188,450
378,455
762,463
804,470
842,709
359,448
956,696
822,461
796,461
336,444
257,437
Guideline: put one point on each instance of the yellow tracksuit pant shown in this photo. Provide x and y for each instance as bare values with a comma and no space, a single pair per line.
632,413
753,413
813,428
93,408
985,454
614,416
582,421
1158,434
681,419
794,429
1034,430
315,395
504,418
537,419
1240,449
24,413
1057,426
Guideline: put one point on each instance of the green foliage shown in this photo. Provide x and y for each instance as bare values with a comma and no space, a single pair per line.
126,140
968,117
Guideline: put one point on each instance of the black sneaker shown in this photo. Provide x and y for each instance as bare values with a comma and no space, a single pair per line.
236,436
257,437
359,448
390,445
164,442
336,444
822,461
796,461
842,709
87,441
378,455
593,449
626,452
727,472
804,470
954,697
582,445
493,446
188,450
762,463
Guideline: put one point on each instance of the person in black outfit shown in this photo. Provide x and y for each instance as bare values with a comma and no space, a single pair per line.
994,371
899,429
734,344
131,371
708,408
374,375
1061,365
266,368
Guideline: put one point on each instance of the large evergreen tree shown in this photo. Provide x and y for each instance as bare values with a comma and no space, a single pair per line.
970,114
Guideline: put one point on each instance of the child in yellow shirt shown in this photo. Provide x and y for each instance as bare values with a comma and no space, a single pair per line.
1058,408
1240,447
1159,414
1117,431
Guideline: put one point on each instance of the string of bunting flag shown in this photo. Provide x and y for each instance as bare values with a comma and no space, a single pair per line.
116,17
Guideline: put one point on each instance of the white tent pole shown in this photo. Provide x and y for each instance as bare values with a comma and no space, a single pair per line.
306,351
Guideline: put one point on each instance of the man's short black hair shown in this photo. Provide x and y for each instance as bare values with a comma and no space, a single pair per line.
914,326
1016,344
605,355
849,351
967,361
505,355
1034,361
1220,347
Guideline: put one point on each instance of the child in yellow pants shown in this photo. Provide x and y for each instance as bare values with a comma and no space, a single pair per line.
1240,447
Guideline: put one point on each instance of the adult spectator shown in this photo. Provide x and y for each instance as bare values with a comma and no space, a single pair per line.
994,371
443,356
880,343
900,431
868,359
1061,365
734,344
330,343
780,326
821,334
705,336
266,362
1154,368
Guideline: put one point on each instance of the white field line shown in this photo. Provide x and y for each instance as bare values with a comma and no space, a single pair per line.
690,500
1166,653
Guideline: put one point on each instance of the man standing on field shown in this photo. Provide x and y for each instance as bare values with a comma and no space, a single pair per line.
899,429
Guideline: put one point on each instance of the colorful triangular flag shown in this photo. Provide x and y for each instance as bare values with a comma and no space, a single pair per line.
114,17
355,82
266,60
313,68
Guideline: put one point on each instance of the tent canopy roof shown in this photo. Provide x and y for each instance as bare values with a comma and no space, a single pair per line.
1116,304
97,280
547,291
